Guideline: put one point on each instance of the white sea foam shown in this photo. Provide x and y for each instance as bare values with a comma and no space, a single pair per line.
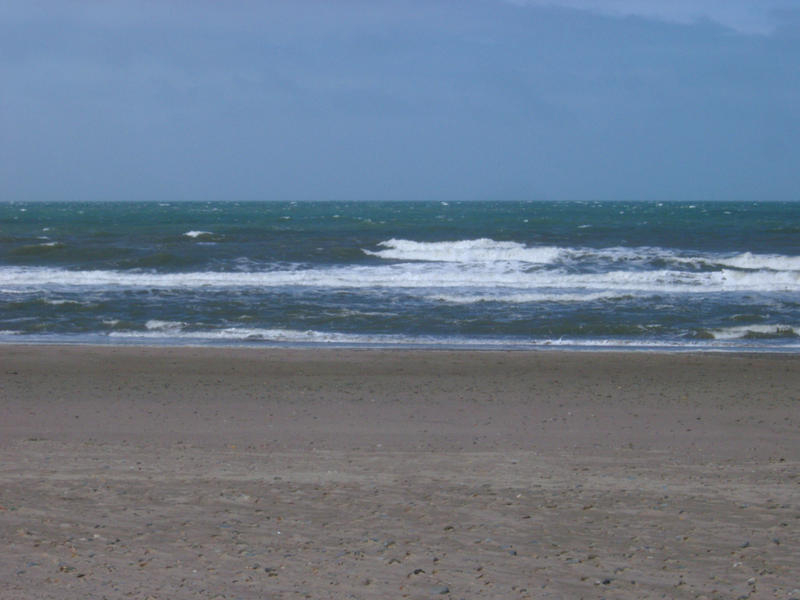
524,298
774,262
267,335
755,331
486,250
289,336
470,278
59,302
164,326
197,234
465,251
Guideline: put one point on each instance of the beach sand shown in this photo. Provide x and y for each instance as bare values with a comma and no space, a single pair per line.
171,473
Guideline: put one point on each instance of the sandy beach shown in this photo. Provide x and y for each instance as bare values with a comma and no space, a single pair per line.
171,473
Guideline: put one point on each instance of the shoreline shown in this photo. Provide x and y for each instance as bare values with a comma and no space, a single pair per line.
433,347
184,472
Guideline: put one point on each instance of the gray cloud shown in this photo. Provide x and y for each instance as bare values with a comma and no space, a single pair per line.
395,100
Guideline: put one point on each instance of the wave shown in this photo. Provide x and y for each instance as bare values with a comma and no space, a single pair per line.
242,335
267,335
480,250
43,248
204,237
525,298
485,250
59,302
755,332
164,326
773,262
413,276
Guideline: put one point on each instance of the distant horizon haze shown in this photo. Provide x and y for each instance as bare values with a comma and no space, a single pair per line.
490,100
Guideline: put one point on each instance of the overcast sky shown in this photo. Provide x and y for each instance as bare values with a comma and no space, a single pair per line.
460,99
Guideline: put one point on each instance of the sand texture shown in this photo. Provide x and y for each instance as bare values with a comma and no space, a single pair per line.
171,473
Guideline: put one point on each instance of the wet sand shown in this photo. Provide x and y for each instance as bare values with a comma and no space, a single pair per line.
173,473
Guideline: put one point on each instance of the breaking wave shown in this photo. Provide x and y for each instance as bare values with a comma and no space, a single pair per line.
485,250
465,251
469,277
755,332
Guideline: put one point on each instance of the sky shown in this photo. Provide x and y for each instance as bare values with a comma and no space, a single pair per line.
686,100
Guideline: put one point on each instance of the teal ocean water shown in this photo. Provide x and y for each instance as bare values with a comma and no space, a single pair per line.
703,276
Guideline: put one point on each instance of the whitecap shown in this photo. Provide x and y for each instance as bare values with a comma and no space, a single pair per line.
478,250
470,278
754,331
59,302
772,262
525,298
167,326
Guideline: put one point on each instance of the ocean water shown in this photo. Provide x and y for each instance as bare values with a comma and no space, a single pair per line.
594,275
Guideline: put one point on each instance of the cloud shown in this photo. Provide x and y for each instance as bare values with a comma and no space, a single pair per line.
753,17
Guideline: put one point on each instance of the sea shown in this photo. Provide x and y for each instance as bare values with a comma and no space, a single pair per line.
674,276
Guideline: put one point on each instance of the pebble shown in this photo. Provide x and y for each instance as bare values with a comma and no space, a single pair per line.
441,590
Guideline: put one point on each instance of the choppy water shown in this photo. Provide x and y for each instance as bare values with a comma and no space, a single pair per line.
486,274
